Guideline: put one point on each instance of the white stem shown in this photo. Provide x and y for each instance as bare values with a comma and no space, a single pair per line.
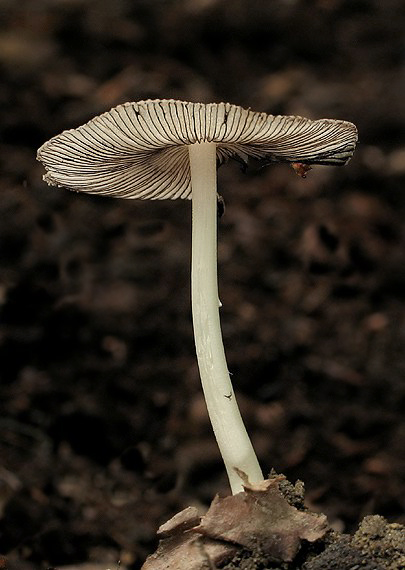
230,432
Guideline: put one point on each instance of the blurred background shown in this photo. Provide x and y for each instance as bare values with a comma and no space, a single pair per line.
103,429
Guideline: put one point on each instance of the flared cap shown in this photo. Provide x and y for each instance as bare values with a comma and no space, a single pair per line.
140,150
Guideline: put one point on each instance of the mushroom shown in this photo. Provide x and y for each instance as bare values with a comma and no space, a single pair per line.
158,149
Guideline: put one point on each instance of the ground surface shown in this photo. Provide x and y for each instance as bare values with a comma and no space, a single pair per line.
103,431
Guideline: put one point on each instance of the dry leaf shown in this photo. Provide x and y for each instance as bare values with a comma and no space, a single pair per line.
261,518
180,547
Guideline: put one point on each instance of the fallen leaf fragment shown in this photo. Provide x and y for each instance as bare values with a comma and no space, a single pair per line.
261,518
180,547
182,521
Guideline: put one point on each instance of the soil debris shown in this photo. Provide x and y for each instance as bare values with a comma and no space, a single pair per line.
259,529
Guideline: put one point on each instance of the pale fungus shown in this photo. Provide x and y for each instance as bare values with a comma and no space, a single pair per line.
159,149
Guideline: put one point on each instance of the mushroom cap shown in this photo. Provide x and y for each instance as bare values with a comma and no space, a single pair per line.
140,150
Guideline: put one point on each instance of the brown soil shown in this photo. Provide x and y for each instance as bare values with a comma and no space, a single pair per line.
103,430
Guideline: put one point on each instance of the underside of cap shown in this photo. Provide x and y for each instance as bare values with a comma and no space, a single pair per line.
140,150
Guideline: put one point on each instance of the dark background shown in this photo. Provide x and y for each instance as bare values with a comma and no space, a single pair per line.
103,430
